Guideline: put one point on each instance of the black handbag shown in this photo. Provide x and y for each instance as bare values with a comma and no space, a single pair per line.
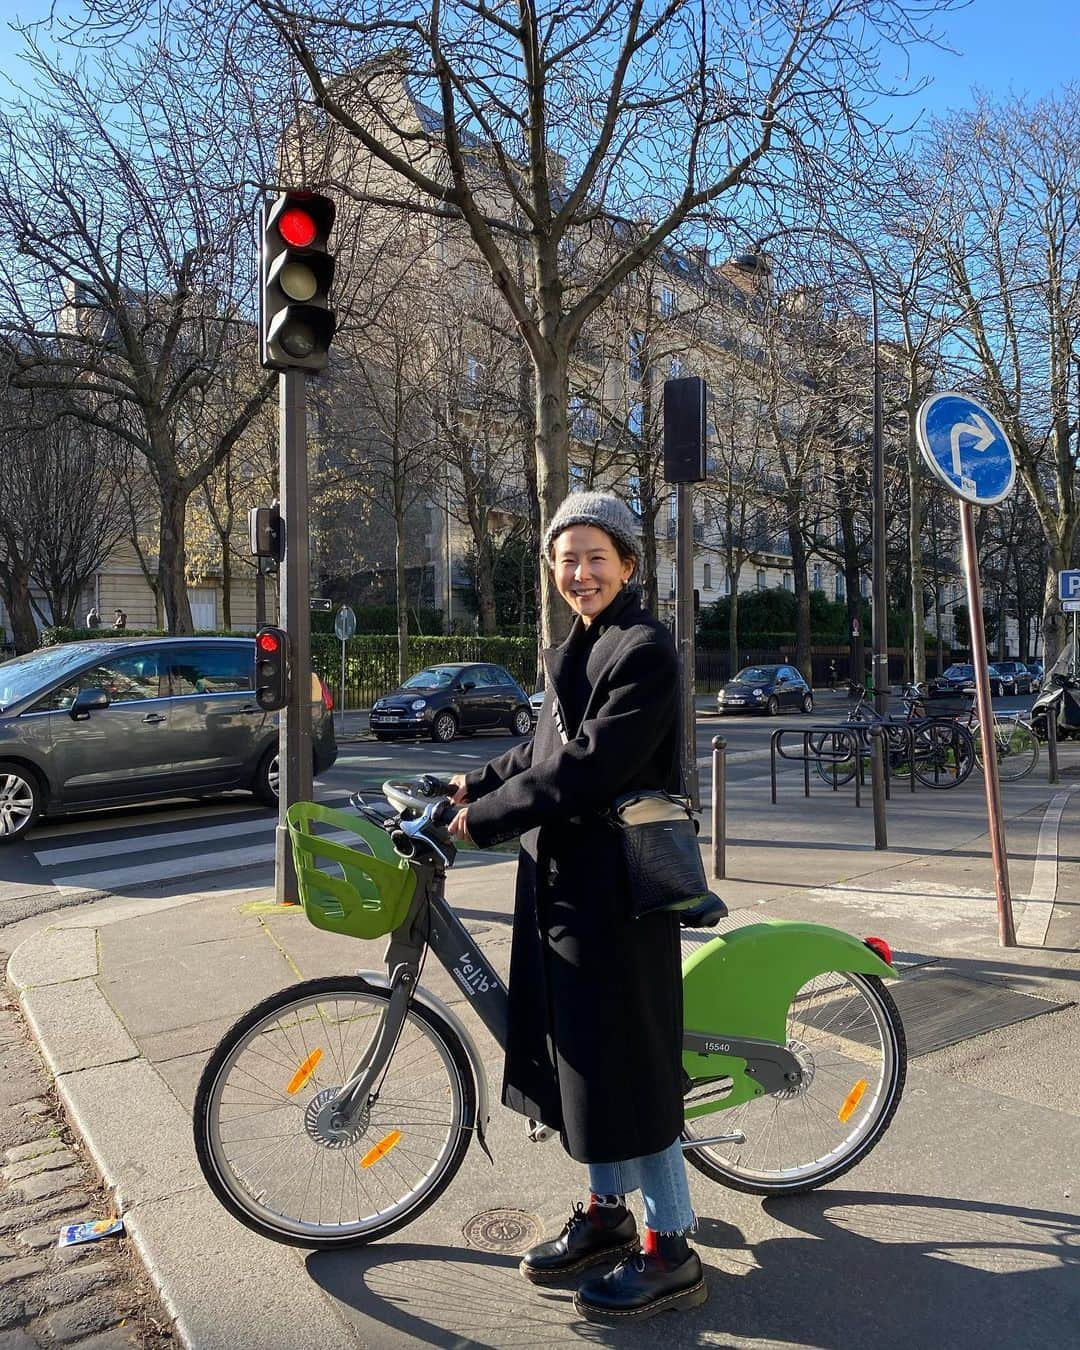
658,840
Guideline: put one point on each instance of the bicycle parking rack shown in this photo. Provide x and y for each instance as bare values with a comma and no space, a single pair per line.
848,740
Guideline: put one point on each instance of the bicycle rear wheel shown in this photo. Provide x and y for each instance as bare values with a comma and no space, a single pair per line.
1016,747
846,1032
944,753
834,762
263,1135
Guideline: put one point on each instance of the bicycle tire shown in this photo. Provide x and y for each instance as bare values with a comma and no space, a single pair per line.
1018,755
429,1054
829,770
780,1116
937,740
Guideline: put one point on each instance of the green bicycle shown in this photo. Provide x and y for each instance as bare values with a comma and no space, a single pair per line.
339,1109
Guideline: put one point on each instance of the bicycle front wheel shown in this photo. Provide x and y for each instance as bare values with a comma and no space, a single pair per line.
847,1035
944,753
263,1130
1015,745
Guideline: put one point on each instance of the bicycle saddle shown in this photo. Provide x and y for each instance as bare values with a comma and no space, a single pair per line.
706,913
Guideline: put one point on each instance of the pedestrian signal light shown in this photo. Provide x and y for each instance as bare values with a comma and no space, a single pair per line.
266,532
296,273
271,668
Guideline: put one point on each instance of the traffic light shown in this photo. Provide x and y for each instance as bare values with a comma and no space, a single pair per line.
296,272
684,430
271,668
266,531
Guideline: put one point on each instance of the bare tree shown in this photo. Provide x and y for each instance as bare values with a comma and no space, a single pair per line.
126,263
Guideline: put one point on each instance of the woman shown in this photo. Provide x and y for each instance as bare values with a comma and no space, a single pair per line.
595,997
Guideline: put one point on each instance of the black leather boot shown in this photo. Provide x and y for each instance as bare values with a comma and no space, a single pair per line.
642,1286
581,1244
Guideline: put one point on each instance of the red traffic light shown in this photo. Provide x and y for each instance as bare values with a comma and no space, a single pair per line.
297,227
268,642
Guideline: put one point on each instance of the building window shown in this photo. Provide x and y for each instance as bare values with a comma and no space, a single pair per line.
635,419
667,302
583,419
635,364
673,506
817,577
633,492
789,582
864,585
727,583
761,579
474,369
677,367
577,478
706,577
839,585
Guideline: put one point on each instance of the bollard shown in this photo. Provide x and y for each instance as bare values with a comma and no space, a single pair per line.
1052,741
877,775
719,807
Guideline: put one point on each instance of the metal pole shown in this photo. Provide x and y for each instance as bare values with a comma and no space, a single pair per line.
684,634
294,720
342,732
1006,927
1052,742
880,615
719,808
877,780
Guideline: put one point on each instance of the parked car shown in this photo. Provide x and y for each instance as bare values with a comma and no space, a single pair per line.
445,700
103,723
1035,670
765,689
536,703
953,679
1011,677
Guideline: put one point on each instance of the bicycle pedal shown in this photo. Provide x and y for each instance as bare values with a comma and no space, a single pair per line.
538,1134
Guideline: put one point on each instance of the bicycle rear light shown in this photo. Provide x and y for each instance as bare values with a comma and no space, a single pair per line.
881,947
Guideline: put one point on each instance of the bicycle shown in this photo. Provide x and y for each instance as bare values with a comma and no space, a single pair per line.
941,752
337,1110
1016,743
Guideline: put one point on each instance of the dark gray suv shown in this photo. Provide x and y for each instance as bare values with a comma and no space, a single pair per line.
100,723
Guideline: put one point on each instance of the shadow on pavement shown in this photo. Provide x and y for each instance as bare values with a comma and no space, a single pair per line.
847,1268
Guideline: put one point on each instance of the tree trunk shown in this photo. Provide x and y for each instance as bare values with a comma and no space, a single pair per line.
172,560
552,485
260,596
733,628
485,584
24,632
400,598
802,587
226,585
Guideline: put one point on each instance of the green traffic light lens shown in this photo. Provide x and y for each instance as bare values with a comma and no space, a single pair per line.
298,339
298,281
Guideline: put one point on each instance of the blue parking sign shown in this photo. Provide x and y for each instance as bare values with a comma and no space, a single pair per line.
965,446
1069,585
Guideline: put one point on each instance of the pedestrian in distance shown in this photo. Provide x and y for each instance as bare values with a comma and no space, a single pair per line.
831,675
120,622
93,618
594,1047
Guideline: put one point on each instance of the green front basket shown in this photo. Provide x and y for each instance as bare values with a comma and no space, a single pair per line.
371,896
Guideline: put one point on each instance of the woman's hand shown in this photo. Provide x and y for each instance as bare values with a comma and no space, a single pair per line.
460,795
459,826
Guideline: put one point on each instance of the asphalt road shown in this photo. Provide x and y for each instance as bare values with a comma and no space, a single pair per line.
177,847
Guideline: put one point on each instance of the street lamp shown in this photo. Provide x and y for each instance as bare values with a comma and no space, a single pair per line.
755,264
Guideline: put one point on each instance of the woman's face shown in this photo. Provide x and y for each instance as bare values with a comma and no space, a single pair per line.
588,570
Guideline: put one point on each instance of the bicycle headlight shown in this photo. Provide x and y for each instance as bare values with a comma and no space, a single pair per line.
417,704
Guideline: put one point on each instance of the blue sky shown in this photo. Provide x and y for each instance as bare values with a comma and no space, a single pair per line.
1000,45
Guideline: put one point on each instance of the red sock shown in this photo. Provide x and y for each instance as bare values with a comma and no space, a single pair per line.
670,1249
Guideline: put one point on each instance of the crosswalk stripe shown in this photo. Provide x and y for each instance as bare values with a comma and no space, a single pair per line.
142,843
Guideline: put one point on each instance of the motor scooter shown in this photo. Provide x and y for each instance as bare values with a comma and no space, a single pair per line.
1060,690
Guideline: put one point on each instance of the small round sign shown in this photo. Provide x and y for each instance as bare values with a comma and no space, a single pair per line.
345,623
965,446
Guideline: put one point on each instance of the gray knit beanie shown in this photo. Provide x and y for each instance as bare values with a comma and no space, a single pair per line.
602,509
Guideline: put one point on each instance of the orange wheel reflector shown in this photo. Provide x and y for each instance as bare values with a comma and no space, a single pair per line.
852,1100
304,1072
381,1149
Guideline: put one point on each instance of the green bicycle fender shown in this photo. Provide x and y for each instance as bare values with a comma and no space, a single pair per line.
742,985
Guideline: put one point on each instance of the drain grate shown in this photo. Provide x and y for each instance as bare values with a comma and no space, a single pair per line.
940,1008
503,1230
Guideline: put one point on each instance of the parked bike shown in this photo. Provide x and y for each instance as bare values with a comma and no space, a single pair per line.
1061,691
337,1110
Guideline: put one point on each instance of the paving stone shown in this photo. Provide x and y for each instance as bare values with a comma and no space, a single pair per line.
119,1338
16,1340
40,1235
7,1249
50,1144
22,1269
90,1316
70,1203
42,1162
71,1285
47,1184
12,1308
35,1108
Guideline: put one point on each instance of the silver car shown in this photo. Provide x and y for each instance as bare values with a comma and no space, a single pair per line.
105,722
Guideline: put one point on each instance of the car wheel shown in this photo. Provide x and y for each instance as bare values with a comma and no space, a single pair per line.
773,706
267,777
21,800
808,703
444,727
521,723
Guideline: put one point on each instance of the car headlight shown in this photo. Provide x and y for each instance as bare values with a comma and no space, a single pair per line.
759,693
417,704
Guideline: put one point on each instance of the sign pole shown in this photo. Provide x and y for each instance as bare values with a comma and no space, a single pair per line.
684,635
1006,927
294,721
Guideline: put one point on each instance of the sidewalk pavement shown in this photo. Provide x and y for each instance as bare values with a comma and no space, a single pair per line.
961,1229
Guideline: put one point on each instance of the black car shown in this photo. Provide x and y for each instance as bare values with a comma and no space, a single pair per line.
105,722
1010,677
445,700
953,679
765,689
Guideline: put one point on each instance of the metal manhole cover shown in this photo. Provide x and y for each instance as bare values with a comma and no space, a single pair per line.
503,1230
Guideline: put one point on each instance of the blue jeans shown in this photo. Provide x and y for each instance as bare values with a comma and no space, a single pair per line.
661,1179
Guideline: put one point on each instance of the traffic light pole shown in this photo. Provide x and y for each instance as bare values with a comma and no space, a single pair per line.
684,635
294,740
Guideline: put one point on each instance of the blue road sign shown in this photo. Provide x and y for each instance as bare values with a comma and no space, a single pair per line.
966,448
1069,585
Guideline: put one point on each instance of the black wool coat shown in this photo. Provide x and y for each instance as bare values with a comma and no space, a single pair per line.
595,998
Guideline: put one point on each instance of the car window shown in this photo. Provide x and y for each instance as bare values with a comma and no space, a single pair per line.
430,679
503,676
22,675
488,678
756,675
126,679
224,669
